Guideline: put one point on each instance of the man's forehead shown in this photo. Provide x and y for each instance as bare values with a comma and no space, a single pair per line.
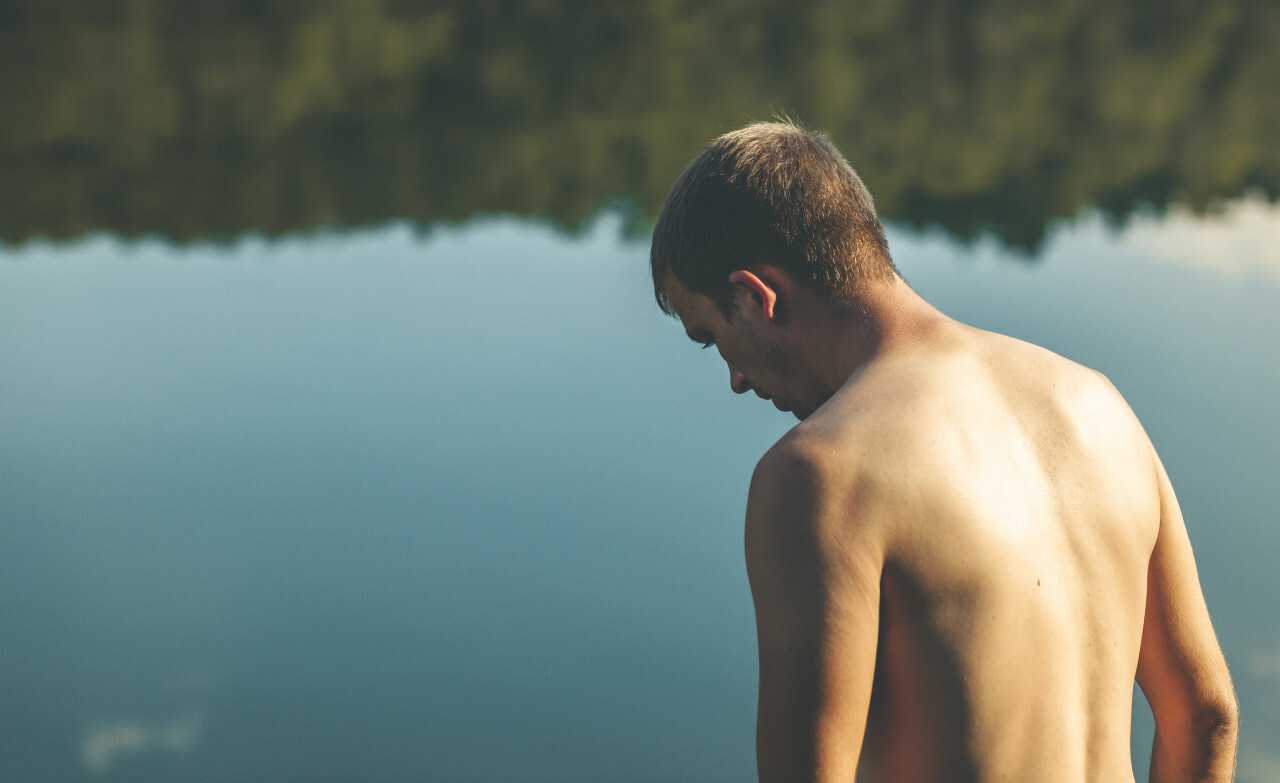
696,313
686,304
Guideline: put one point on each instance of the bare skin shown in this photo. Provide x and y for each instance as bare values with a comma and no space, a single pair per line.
962,557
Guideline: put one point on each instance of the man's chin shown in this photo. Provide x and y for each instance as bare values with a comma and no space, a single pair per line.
798,413
803,413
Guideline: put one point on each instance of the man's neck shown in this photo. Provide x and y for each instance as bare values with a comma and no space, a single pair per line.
839,344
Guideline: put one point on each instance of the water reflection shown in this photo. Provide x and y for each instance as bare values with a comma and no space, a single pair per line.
467,507
200,119
1241,240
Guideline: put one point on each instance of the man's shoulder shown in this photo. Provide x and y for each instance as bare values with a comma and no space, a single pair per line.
797,463
1055,385
810,502
845,448
814,484
902,421
1037,361
813,453
981,369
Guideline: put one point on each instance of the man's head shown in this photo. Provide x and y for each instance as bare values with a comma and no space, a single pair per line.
770,193
762,353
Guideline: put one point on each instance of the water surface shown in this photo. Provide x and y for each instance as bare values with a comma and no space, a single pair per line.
463,505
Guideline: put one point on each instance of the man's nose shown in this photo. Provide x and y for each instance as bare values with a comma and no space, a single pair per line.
738,382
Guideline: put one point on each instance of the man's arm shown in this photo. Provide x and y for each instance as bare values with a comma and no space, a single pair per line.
1180,667
815,578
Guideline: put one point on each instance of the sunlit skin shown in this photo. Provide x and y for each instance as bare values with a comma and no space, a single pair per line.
961,557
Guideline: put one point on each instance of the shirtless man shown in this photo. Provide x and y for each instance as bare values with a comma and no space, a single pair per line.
967,549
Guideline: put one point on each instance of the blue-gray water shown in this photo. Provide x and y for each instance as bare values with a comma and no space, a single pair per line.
463,506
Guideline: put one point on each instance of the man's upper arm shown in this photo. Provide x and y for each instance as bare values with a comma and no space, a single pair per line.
815,574
1181,668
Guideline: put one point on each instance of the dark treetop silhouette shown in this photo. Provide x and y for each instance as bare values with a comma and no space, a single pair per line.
201,120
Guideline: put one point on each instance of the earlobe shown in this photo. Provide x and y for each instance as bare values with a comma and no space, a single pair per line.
763,295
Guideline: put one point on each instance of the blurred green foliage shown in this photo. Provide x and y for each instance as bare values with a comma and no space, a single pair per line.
206,118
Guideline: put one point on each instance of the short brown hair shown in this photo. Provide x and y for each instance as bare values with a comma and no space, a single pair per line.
775,193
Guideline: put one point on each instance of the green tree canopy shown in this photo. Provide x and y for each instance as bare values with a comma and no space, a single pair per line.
201,118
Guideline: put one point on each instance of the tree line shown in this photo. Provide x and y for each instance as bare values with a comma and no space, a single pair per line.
204,119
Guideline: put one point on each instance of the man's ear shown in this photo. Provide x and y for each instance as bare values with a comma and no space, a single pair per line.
761,288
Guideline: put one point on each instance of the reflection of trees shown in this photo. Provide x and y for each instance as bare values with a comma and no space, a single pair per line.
201,117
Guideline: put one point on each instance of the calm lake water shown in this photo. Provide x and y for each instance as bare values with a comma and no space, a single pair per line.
462,505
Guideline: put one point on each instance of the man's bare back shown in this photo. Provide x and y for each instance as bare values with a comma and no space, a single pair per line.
967,551
1014,498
